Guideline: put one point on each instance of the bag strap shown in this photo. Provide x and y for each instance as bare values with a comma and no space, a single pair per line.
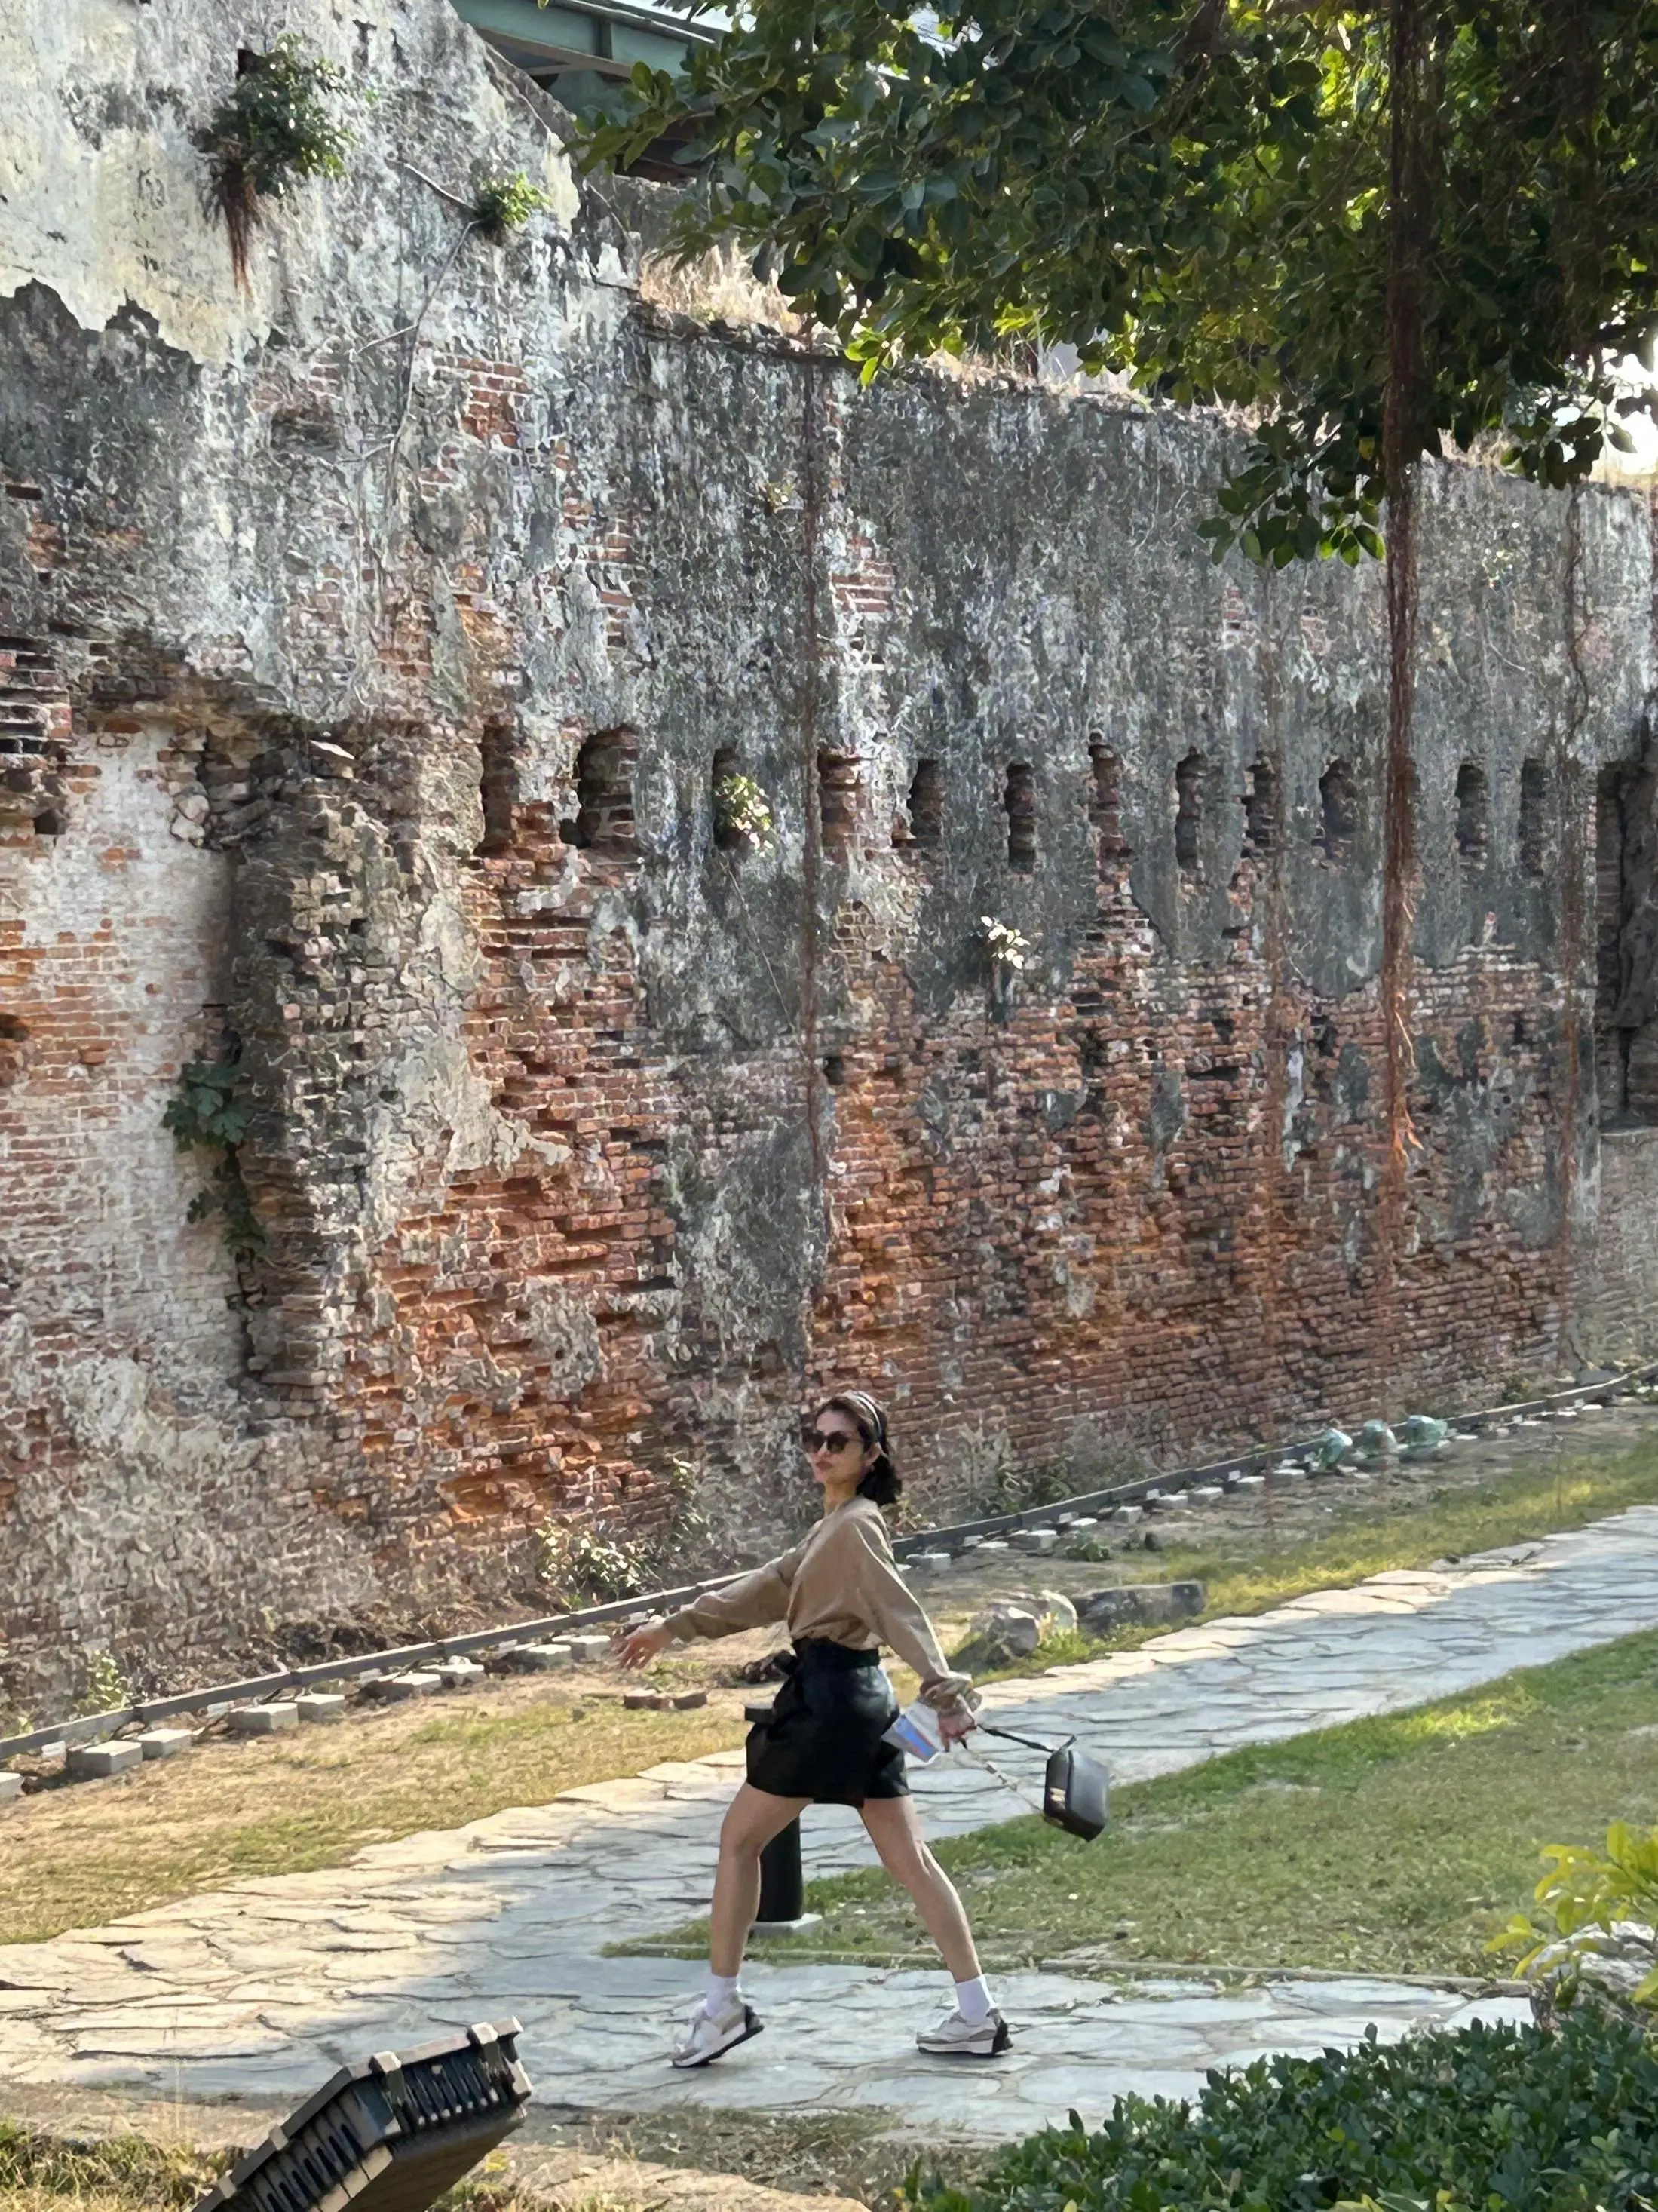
1030,1742
996,1774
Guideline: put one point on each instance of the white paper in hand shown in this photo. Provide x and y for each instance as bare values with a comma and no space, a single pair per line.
917,1734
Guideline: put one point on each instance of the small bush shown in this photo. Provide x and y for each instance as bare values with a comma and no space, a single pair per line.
1477,2119
105,1688
1604,1910
592,1566
599,1563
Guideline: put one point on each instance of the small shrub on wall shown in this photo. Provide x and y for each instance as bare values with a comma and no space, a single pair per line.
277,127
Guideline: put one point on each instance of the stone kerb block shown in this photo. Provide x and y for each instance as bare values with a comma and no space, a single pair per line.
262,1720
91,1762
1125,1516
645,1701
1036,1541
398,1689
927,1563
319,1707
166,1743
538,1658
458,1673
1149,1602
1205,1493
11,1789
589,1650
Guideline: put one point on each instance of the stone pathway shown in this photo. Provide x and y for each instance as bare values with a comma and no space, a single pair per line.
261,1989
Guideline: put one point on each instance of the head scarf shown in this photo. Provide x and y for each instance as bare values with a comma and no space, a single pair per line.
866,1406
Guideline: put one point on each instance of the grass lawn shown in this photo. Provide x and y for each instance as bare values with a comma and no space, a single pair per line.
1397,1844
79,1856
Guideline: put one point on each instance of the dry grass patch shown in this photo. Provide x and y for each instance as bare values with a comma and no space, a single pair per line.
714,2162
38,2173
77,1857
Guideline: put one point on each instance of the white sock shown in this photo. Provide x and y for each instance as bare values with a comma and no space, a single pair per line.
720,1992
973,2000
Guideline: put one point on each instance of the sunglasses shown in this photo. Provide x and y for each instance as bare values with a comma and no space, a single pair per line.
828,1440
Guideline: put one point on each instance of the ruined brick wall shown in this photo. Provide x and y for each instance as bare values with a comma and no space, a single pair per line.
378,667
1612,1321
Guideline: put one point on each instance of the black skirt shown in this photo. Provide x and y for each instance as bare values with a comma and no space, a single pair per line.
822,1737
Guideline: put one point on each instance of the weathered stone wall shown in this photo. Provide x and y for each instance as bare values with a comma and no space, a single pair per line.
384,630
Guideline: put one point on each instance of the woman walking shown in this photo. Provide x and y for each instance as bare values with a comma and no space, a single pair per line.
842,1598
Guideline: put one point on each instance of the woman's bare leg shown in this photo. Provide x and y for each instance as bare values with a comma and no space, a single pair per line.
894,1830
753,1818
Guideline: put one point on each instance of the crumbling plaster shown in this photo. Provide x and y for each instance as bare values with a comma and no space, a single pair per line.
553,1195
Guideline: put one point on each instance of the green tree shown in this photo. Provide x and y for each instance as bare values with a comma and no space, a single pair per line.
1383,231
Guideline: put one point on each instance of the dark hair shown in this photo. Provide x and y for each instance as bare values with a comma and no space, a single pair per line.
881,1483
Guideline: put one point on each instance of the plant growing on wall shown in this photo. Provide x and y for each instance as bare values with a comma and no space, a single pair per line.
104,1687
504,204
1008,948
277,127
742,813
205,1114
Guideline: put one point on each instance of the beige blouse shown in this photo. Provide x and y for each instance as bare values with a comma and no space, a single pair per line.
840,1583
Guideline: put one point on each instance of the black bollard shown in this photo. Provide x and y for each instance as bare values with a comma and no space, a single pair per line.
782,1885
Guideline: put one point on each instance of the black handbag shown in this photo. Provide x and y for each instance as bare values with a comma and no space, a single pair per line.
1075,1791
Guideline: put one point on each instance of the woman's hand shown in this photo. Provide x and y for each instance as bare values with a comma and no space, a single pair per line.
956,1724
639,1646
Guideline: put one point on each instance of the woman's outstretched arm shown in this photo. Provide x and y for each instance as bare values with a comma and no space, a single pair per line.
749,1602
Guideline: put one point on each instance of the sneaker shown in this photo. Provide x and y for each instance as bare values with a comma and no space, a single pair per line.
957,2037
709,2035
